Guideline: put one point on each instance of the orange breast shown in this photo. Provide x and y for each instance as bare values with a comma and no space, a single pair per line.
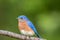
24,26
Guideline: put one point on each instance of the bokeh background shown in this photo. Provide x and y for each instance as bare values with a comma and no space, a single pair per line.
45,15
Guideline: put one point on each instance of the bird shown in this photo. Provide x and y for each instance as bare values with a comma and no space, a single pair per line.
26,27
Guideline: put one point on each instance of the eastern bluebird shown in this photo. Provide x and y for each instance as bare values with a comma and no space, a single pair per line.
26,27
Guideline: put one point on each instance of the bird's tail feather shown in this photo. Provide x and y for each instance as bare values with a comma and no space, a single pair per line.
38,35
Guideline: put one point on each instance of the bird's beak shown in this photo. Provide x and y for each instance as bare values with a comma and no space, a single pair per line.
19,18
16,18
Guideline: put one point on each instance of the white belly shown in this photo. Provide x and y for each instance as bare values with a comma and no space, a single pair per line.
27,32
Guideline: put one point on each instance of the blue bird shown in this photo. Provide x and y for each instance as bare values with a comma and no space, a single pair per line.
26,27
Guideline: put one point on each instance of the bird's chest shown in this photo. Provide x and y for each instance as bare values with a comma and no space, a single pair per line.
25,29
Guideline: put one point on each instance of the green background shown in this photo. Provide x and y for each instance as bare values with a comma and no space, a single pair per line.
45,15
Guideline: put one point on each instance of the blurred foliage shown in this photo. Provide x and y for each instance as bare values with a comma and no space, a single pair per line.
45,14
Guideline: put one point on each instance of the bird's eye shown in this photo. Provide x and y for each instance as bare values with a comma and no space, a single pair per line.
21,18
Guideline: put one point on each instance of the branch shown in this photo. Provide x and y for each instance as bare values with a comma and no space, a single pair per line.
18,36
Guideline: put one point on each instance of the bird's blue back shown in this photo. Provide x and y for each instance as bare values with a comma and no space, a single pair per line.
33,28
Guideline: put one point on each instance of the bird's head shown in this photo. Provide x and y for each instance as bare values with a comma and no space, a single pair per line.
22,17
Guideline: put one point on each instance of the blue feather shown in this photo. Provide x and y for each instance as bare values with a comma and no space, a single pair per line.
33,28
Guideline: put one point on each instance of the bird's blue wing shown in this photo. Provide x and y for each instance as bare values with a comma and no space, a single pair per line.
33,28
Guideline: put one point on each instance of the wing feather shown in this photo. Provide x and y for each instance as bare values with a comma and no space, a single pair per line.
30,24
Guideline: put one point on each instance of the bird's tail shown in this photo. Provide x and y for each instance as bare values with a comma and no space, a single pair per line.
38,36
